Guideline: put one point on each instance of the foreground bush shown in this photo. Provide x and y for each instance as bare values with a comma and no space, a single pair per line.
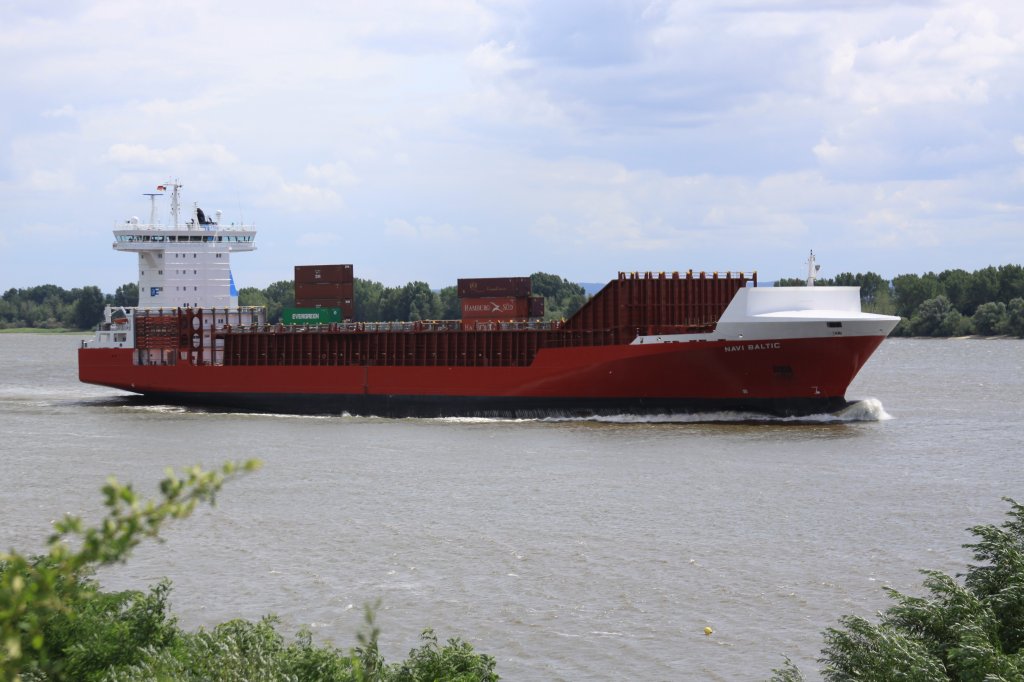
970,630
56,624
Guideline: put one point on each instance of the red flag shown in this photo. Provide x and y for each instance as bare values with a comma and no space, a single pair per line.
161,187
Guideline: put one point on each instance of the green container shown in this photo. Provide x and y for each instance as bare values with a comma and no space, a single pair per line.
310,315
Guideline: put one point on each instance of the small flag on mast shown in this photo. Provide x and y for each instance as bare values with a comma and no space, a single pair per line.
161,187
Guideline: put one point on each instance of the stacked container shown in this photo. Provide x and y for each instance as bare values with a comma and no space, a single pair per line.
325,286
488,300
484,287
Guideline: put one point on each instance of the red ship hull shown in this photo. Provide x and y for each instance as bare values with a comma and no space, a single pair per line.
795,376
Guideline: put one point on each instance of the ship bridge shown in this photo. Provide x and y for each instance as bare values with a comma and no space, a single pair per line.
185,262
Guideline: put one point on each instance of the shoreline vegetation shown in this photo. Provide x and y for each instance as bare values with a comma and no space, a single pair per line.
968,626
57,624
986,303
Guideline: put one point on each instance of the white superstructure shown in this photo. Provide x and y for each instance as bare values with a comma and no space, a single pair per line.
184,264
758,313
181,265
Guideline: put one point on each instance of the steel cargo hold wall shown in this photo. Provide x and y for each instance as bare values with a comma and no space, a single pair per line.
500,348
659,303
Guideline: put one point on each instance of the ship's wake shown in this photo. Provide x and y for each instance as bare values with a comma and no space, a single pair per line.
867,410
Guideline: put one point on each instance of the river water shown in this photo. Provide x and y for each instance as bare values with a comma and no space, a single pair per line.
568,550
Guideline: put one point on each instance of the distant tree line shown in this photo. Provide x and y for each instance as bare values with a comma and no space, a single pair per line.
51,307
988,302
415,301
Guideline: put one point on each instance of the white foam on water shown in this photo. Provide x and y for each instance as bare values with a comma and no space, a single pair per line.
867,410
158,409
484,420
271,415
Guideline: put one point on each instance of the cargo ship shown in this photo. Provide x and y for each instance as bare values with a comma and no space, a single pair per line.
646,343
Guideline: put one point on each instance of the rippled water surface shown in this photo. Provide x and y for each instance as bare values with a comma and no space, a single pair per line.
568,550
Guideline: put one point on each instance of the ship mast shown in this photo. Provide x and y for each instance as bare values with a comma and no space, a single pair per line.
175,186
812,270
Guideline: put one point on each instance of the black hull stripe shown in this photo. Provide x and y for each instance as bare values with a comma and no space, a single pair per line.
493,407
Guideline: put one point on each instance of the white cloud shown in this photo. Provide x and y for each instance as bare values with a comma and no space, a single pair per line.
826,151
65,111
318,239
423,229
40,180
141,155
564,136
956,56
337,173
492,58
300,197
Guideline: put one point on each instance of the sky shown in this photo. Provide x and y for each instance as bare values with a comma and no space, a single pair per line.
436,139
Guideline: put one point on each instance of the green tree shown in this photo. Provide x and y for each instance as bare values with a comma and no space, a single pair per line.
449,300
455,661
969,630
280,295
984,287
562,298
126,295
1011,282
956,286
34,593
882,302
910,291
368,296
938,317
990,318
1015,318
251,296
89,308
423,304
